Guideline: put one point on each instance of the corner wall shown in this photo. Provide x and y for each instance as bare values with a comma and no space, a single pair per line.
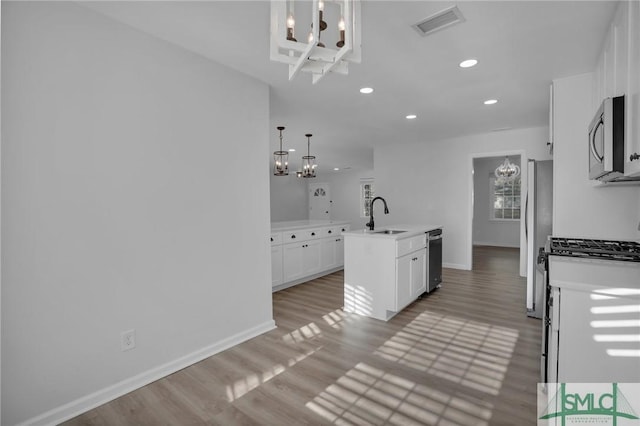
119,211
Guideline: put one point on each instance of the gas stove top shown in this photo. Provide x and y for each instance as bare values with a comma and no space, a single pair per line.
595,249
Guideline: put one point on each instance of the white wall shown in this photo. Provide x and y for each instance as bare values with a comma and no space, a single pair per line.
122,207
500,233
583,208
289,197
431,182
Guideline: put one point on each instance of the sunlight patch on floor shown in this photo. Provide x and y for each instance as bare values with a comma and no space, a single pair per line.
474,354
245,385
369,396
336,319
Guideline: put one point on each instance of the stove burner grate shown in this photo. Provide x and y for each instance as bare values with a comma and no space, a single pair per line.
600,249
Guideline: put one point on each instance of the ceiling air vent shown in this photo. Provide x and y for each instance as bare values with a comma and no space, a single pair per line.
439,21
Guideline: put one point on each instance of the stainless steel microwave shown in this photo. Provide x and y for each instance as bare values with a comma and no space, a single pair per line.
606,141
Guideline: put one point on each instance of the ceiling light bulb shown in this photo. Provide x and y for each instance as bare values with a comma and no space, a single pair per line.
468,63
292,150
341,25
321,6
366,90
490,101
336,169
411,116
291,22
310,38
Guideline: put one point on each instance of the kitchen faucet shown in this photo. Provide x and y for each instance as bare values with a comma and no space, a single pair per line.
386,211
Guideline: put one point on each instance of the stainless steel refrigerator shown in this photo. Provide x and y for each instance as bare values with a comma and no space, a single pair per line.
538,226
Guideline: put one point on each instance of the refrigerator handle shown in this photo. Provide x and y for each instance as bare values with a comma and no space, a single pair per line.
526,217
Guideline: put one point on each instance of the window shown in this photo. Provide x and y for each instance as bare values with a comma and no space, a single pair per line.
505,199
366,195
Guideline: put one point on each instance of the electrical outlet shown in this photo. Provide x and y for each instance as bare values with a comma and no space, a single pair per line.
128,340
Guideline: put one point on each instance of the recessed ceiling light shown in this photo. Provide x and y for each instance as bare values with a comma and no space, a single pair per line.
292,150
336,169
468,63
366,90
411,116
491,101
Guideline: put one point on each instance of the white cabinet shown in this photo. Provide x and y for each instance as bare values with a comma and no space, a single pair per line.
383,274
632,105
329,252
292,261
410,278
311,257
594,316
301,259
306,253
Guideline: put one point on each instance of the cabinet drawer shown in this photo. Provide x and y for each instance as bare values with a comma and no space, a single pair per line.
330,231
408,245
310,234
276,238
301,235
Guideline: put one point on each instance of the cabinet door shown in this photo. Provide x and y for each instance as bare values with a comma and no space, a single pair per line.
632,115
418,273
328,249
311,258
340,251
403,281
276,266
292,261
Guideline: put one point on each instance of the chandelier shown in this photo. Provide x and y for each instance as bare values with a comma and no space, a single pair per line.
311,54
507,171
308,161
281,159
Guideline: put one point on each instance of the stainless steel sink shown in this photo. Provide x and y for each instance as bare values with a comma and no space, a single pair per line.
389,231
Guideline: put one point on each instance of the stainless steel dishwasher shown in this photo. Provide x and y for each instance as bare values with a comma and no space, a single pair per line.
434,250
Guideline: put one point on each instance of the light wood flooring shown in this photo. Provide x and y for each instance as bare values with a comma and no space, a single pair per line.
464,355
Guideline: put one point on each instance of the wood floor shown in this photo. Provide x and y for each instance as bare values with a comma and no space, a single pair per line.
464,355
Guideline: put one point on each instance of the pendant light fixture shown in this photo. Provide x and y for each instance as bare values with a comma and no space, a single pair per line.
342,29
507,171
308,161
281,159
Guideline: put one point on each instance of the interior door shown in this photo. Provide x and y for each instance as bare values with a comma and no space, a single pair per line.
319,201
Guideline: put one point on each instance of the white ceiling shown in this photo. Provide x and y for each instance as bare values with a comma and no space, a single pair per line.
520,45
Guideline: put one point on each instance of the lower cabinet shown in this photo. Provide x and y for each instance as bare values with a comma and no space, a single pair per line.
314,252
383,275
292,261
329,253
311,257
410,278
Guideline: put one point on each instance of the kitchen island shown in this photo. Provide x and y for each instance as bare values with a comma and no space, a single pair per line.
385,269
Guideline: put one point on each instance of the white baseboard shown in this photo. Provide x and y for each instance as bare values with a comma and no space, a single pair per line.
88,402
456,266
494,244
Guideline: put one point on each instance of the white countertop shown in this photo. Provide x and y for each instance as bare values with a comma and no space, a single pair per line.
301,224
411,230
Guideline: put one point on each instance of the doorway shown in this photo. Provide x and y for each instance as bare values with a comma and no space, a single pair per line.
497,211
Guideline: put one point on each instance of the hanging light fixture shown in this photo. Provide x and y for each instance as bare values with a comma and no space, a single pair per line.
311,55
281,159
507,171
308,161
